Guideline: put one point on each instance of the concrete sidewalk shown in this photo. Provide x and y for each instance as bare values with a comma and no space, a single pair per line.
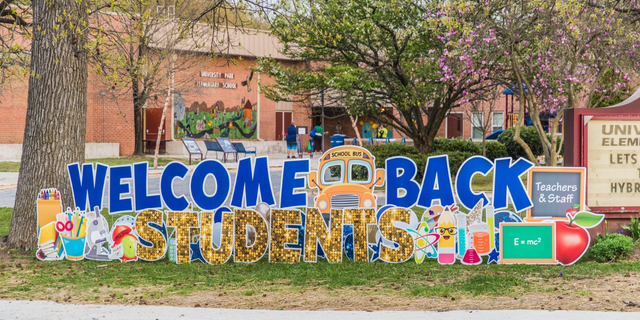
51,310
8,180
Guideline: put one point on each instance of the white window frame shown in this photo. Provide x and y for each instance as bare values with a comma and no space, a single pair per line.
473,126
493,126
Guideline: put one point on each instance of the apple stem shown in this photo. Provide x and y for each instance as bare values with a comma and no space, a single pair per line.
570,219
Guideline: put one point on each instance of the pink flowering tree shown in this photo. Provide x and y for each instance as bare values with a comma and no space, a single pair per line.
562,54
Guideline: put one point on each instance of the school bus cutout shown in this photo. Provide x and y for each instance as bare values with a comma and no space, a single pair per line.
346,178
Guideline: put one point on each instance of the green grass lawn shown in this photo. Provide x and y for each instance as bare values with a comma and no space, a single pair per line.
485,183
6,166
5,220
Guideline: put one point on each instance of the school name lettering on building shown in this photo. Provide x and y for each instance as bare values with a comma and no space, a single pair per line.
215,84
211,74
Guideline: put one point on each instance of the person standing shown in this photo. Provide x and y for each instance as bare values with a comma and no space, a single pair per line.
338,128
292,145
382,133
317,139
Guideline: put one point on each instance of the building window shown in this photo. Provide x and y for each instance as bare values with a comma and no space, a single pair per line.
477,127
497,121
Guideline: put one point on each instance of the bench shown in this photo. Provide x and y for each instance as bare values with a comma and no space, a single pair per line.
212,146
241,149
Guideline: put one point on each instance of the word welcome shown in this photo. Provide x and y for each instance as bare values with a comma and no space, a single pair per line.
128,184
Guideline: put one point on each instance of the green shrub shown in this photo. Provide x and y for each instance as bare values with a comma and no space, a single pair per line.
495,150
634,228
388,150
456,158
611,247
443,145
384,151
529,135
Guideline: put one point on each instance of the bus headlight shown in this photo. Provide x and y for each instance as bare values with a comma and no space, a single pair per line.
367,203
322,204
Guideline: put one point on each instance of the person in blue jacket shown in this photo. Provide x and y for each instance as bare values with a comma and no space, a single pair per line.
292,145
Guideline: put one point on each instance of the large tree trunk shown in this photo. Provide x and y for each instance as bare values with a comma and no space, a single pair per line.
139,91
423,140
54,133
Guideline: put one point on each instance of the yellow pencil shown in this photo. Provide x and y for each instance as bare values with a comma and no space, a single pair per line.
447,242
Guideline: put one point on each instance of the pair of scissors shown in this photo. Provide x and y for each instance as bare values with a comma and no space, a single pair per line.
62,226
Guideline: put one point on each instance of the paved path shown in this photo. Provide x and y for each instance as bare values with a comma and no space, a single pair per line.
8,179
51,310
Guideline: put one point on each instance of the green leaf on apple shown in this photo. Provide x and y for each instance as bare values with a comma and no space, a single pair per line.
587,219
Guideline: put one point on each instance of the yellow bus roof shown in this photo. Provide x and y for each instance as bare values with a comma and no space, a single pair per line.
348,152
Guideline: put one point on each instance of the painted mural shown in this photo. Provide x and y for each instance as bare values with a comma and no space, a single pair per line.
215,121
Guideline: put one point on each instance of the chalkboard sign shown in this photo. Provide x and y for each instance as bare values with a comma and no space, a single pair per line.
192,147
528,243
555,190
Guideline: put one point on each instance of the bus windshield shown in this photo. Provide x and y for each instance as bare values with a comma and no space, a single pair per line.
359,172
333,172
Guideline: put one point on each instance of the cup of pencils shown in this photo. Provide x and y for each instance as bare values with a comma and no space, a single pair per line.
72,228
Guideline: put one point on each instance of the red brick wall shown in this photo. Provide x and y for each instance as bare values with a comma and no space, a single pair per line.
13,110
110,117
117,128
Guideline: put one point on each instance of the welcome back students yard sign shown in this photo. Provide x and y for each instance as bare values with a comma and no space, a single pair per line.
343,222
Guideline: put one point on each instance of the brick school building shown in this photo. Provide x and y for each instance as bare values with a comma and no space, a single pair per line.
216,97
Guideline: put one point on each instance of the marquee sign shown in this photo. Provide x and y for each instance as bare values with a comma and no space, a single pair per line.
416,221
614,152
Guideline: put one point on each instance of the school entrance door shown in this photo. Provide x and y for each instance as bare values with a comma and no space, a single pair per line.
152,122
283,121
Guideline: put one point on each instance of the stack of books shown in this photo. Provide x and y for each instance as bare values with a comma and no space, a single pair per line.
49,243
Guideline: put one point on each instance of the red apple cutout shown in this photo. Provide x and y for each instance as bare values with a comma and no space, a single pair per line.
572,242
572,239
